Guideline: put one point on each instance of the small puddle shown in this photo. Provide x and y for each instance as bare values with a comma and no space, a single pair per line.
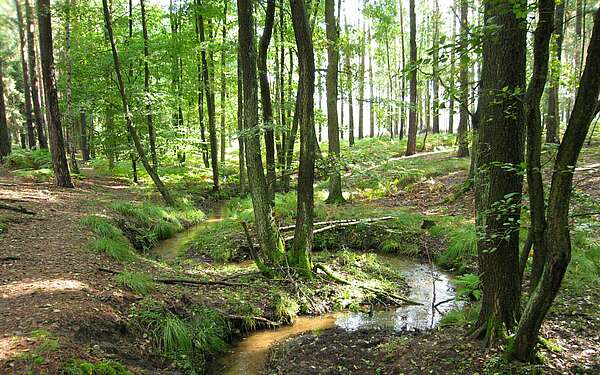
248,356
171,248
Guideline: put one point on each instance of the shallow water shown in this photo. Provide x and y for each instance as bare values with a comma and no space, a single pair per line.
427,286
170,248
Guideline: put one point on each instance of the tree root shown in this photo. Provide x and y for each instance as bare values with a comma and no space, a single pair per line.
393,298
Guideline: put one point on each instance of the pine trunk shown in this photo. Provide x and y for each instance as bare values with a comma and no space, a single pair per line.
33,76
31,141
411,147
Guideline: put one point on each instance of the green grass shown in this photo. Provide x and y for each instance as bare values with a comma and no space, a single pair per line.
138,282
108,238
461,250
29,159
103,367
286,308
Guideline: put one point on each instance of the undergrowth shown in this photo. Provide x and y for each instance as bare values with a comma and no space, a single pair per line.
138,282
108,238
103,367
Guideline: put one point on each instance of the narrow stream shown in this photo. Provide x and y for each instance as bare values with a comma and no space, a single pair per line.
428,286
248,356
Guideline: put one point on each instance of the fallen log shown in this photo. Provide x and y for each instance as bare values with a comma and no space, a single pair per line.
19,209
180,280
394,298
342,222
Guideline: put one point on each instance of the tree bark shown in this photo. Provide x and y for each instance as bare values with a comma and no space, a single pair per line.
331,86
435,68
240,127
299,256
148,97
35,91
85,147
411,146
271,242
553,110
265,96
361,85
463,121
498,179
200,88
127,112
350,74
31,141
371,94
556,235
57,149
223,83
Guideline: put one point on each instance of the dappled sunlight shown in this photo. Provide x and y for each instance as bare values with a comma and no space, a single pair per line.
10,346
49,286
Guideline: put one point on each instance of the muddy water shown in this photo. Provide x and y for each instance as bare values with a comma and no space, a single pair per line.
428,286
170,248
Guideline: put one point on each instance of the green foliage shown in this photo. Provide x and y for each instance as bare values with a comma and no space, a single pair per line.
103,367
29,159
286,308
460,317
468,286
36,175
138,282
109,239
584,268
219,241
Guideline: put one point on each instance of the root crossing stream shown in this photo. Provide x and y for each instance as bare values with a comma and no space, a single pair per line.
428,285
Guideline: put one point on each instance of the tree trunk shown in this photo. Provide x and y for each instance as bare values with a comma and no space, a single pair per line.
361,85
240,127
553,110
463,121
371,94
331,85
35,92
85,147
5,146
31,141
557,235
200,88
282,100
148,99
223,83
57,149
350,75
411,147
265,96
210,104
403,92
299,256
435,68
452,74
127,112
70,123
271,242
498,179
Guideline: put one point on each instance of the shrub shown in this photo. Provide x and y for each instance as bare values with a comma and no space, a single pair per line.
29,159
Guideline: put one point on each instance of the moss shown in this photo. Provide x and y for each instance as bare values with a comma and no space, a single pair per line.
103,367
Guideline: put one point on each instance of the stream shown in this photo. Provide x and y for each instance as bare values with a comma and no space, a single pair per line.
427,284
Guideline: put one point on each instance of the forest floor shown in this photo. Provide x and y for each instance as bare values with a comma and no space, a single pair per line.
59,304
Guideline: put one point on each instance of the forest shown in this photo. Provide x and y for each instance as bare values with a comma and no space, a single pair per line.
299,187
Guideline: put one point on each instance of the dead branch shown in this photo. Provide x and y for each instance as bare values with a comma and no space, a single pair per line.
9,258
342,221
19,209
173,281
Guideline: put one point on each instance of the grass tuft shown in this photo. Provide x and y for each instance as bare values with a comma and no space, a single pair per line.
138,282
109,239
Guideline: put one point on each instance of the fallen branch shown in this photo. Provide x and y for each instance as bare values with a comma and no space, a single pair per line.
266,321
394,298
9,258
19,209
342,221
180,281
344,224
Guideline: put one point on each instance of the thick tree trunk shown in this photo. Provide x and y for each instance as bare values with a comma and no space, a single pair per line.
411,146
331,86
463,121
31,141
271,242
5,146
33,76
299,256
553,111
265,96
70,123
57,149
557,236
498,179
282,100
210,104
240,128
127,112
148,99
200,88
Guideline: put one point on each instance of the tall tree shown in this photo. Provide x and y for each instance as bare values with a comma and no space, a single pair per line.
452,74
57,149
131,130
299,255
556,237
499,181
463,121
5,146
148,96
403,78
31,141
349,72
371,86
223,82
331,86
361,84
435,67
553,110
240,127
271,242
68,116
33,76
210,100
200,89
411,146
265,96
